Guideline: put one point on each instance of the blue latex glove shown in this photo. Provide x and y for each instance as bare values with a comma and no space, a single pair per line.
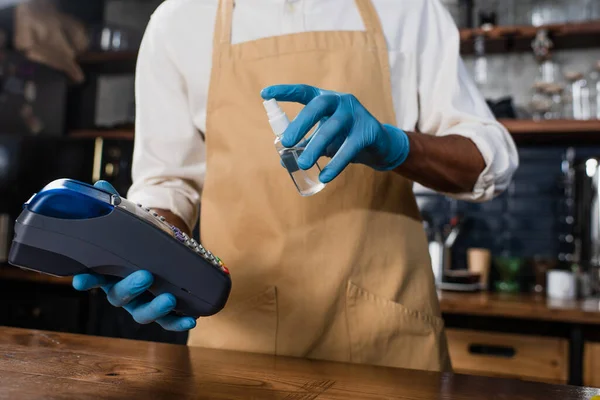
124,293
347,132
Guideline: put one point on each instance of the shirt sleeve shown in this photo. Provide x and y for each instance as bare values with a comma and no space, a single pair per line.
451,104
169,160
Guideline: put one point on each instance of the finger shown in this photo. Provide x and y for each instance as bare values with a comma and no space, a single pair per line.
134,305
304,142
129,288
107,187
177,324
337,126
302,94
347,152
159,307
317,109
84,282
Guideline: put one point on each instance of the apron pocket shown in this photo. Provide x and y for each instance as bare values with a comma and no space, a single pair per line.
249,325
386,333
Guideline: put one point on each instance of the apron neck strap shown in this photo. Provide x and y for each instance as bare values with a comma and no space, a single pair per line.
367,11
222,35
371,21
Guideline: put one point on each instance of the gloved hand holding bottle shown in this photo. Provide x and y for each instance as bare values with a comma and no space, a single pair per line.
347,132
125,293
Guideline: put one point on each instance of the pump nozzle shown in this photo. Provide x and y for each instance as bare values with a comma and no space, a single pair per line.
277,118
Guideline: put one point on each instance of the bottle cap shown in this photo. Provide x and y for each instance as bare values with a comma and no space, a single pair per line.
272,107
277,118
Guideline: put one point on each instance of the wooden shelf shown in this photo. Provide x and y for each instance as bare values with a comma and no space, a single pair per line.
108,62
504,39
554,131
97,57
120,134
523,131
521,306
518,127
499,39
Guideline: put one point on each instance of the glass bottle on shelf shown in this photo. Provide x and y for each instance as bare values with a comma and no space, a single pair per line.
594,80
547,93
579,91
481,65
542,51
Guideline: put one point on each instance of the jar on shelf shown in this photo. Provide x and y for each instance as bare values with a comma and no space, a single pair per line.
546,102
541,105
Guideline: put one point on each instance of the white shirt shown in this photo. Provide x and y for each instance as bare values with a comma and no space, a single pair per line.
431,89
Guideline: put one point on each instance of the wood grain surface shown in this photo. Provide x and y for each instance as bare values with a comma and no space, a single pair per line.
523,306
44,365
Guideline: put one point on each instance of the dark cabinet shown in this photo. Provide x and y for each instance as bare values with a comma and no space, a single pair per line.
59,308
41,306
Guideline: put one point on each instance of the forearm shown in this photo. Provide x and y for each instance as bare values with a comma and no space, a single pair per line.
174,220
449,164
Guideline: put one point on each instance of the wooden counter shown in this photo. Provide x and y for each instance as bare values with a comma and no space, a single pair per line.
37,364
522,306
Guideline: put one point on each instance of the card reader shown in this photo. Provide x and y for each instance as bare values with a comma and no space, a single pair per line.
70,227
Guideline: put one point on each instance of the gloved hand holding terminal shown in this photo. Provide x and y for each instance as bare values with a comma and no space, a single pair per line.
126,293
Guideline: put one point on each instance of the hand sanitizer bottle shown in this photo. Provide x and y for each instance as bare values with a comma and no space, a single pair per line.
307,181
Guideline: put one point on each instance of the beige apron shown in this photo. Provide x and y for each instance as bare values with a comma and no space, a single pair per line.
343,275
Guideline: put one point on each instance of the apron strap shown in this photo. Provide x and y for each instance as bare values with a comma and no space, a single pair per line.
372,22
375,32
222,33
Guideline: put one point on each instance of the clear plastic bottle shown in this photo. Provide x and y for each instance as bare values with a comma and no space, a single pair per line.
307,181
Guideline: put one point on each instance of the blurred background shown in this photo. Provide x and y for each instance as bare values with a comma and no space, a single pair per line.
518,277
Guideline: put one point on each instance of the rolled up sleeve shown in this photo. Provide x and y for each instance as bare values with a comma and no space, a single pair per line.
451,104
169,161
